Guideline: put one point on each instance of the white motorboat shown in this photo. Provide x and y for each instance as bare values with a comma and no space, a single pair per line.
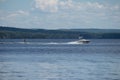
81,40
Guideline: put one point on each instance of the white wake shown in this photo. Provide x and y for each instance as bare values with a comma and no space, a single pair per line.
44,43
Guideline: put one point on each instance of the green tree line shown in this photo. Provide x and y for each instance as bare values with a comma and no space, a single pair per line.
18,33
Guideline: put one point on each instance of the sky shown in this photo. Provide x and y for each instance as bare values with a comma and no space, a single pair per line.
60,14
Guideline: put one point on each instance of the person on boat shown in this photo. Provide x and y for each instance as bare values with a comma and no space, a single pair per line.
24,40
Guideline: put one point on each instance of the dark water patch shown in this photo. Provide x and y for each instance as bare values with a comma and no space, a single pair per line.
16,72
1,72
109,78
20,76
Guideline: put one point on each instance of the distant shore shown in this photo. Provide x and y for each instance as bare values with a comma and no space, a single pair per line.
20,33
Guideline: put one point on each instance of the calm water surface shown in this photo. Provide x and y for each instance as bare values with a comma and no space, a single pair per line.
59,60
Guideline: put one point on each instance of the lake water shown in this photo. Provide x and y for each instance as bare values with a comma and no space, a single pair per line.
50,59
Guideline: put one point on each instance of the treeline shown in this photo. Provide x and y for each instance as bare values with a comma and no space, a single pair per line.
18,33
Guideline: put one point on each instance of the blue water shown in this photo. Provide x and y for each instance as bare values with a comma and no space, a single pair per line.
50,59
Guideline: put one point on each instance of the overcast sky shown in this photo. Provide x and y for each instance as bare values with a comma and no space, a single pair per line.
60,14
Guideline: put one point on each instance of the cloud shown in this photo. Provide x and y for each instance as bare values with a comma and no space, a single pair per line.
47,5
81,11
14,18
21,12
12,15
57,5
66,4
64,14
53,5
18,13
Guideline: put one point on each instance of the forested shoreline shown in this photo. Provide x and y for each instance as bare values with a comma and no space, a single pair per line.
20,33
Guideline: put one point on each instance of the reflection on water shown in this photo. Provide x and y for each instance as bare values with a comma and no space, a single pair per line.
99,60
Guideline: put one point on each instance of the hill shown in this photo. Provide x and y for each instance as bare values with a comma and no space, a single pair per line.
19,33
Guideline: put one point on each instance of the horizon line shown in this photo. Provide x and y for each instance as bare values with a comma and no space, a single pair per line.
58,28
